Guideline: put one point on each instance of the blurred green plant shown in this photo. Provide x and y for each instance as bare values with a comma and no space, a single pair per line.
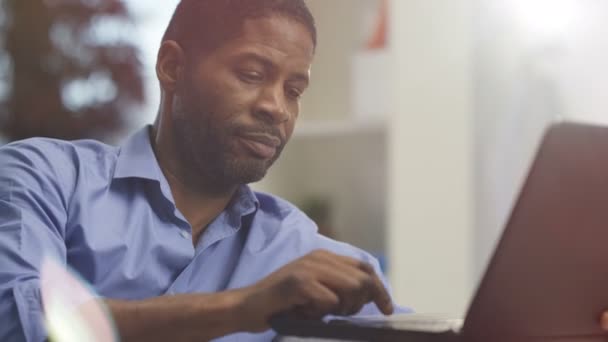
67,68
319,209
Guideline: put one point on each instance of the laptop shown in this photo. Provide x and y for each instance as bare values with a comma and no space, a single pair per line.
548,277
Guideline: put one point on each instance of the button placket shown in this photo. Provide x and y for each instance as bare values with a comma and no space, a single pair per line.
184,234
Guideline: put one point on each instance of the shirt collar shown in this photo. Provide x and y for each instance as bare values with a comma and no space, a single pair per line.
243,203
136,158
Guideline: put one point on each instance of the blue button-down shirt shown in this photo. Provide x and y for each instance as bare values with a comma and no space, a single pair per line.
109,214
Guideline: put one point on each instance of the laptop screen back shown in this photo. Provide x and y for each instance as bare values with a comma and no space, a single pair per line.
549,273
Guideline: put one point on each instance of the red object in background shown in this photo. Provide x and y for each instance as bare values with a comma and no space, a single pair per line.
379,38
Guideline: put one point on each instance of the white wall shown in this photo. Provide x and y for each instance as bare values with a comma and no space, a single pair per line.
537,62
431,154
328,96
515,100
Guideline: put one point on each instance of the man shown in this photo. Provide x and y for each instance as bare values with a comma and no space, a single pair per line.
164,227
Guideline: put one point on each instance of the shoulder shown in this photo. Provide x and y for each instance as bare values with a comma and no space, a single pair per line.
49,162
294,228
345,249
281,216
278,207
46,152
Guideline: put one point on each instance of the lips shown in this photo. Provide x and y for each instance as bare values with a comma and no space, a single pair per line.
260,145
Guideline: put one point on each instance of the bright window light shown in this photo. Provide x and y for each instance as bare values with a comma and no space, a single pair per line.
546,20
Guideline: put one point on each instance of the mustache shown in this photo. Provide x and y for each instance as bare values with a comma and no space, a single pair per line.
259,129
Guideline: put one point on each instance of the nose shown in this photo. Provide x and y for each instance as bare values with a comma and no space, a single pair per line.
270,106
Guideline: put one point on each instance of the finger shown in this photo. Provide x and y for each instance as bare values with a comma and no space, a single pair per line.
381,297
604,321
353,286
378,292
375,288
320,300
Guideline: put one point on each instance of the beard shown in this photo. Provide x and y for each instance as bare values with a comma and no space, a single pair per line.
206,146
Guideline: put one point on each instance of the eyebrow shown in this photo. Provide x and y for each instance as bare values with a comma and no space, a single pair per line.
267,63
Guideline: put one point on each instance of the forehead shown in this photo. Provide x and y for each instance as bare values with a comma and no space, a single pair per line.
276,37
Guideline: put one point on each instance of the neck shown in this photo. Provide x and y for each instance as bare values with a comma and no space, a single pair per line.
200,203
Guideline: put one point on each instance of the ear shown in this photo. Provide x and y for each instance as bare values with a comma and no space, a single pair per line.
169,65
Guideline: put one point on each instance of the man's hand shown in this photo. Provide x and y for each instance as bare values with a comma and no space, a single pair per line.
604,321
318,284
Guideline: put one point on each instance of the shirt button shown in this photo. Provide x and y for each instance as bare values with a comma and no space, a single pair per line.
185,234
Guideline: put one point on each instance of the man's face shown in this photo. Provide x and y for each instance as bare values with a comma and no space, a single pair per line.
236,106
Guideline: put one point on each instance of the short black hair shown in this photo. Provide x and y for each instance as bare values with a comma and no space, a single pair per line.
202,25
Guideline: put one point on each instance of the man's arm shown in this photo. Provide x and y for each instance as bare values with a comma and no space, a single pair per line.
318,284
188,317
32,221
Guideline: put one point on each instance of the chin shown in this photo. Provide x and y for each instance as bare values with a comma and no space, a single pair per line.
246,171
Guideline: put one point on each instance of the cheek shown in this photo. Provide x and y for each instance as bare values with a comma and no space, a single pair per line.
228,110
231,99
294,109
289,128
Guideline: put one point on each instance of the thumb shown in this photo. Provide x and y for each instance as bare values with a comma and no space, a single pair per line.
604,321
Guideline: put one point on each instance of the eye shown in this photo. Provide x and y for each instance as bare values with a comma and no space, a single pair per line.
250,76
293,93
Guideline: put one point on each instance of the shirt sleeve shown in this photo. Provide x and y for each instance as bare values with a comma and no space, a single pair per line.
33,215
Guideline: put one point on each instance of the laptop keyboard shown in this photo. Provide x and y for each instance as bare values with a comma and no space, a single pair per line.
411,322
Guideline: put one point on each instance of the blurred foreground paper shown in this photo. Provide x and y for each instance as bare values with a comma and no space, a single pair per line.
72,311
